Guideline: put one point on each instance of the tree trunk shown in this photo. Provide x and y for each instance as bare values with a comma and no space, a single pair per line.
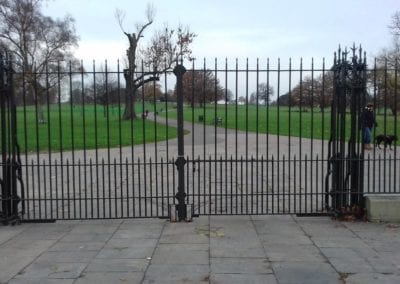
130,100
37,96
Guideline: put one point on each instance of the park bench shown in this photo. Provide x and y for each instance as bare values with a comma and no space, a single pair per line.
217,121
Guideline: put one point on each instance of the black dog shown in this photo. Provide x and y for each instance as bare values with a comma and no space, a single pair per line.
386,139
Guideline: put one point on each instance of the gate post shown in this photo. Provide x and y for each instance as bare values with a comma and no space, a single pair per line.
10,158
346,164
181,207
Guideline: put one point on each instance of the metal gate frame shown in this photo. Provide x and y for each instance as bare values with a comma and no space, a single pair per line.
12,187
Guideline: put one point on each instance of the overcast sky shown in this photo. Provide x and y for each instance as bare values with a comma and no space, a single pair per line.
236,28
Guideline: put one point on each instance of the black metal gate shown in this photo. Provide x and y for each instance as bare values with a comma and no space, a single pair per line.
230,140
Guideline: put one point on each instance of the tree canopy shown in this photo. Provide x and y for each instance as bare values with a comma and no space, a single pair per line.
145,64
41,45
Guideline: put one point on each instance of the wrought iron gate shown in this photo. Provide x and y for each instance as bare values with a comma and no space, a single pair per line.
301,154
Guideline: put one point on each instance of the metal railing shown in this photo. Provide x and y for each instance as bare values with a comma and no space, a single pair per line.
256,141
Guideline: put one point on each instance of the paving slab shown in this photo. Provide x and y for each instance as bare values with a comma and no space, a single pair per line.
305,272
243,278
240,266
181,254
165,273
50,270
372,278
110,277
41,281
118,265
290,252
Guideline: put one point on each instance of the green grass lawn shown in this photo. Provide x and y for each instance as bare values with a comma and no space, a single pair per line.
276,120
86,127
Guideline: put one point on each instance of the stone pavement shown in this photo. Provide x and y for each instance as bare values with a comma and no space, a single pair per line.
215,249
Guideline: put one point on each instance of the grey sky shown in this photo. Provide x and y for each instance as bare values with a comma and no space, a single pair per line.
237,28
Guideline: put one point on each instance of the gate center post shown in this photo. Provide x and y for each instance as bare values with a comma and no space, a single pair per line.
181,207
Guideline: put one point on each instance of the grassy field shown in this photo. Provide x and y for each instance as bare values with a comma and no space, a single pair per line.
277,120
86,127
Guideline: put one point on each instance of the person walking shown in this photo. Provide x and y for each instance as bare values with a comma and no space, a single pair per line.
367,122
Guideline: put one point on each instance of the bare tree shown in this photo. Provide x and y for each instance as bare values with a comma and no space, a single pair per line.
41,45
395,25
384,78
264,94
313,92
162,53
200,87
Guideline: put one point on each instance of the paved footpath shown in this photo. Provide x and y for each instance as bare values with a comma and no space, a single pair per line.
216,249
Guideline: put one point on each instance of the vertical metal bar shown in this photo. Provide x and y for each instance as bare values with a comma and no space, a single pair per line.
267,120
179,70
220,187
273,185
374,99
289,131
312,133
305,183
257,132
209,186
4,131
278,158
236,112
251,184
396,68
231,182
241,185
284,210
215,119
215,113
72,129
133,188
34,191
80,189
68,193
300,127
198,186
37,137
103,184
323,189
96,144
294,184
127,188
27,186
49,139
84,133
106,116
140,188
236,133
262,185
385,94
120,137
91,189
316,186
162,185
226,135
151,187
115,190
204,132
